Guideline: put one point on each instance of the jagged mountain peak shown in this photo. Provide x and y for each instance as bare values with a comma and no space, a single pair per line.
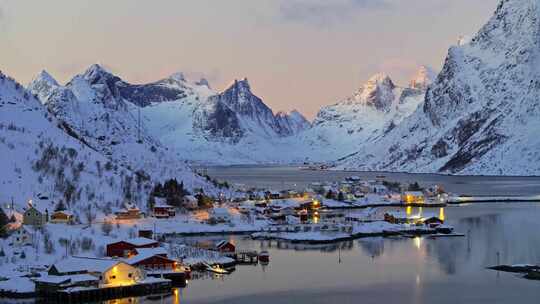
178,76
203,82
380,79
513,21
478,114
44,76
96,68
377,92
423,78
240,86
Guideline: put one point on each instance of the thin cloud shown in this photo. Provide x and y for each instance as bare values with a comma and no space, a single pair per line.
325,12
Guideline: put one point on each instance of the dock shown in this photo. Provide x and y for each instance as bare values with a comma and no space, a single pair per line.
94,294
246,257
492,199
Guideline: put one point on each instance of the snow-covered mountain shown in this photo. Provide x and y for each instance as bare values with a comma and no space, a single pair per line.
44,156
183,117
423,78
374,109
481,115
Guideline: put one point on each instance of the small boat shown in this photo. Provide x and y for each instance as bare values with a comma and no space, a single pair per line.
216,269
264,256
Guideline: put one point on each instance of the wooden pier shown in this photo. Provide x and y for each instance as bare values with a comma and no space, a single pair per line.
84,295
246,257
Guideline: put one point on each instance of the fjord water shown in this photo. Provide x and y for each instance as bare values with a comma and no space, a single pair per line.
286,177
379,270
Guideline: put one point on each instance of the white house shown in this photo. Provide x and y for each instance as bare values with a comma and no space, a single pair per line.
190,202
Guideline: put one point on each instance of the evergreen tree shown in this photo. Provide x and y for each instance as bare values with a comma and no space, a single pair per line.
341,196
4,220
415,187
23,255
60,206
151,202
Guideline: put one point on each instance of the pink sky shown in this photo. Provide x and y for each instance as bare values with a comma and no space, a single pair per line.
297,54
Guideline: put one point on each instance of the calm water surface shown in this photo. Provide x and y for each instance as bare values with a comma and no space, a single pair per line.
378,270
286,177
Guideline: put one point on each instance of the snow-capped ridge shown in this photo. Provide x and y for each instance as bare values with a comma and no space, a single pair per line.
423,78
478,114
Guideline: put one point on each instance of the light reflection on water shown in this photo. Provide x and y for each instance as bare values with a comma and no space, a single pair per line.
386,270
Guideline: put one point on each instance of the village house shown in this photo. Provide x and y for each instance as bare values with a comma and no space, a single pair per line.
48,284
270,195
412,197
22,236
35,215
162,209
127,248
152,259
62,217
129,212
109,272
225,247
190,202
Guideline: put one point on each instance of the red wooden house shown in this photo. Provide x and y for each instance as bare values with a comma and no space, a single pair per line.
225,247
126,248
152,259
162,210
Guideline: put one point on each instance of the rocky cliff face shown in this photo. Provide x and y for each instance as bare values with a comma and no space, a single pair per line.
479,114
237,111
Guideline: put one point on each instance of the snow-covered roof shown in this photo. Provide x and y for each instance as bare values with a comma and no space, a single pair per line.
66,212
162,203
81,264
53,279
221,243
190,198
145,253
140,241
414,193
41,207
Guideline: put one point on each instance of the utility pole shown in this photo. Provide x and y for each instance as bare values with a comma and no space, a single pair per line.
139,125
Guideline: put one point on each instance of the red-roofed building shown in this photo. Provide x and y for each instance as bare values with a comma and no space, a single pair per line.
126,248
152,259
225,247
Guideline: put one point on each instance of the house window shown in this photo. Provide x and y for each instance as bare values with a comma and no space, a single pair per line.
130,275
113,277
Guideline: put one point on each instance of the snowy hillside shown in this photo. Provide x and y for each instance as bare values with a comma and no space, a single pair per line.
45,157
481,114
373,110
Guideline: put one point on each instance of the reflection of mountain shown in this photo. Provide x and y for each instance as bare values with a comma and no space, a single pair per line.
512,233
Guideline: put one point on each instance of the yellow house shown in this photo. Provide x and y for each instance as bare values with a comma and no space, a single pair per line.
109,272
62,216
412,197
